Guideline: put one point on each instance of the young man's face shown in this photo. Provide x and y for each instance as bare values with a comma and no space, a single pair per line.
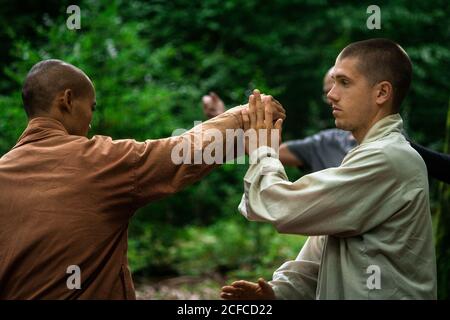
352,98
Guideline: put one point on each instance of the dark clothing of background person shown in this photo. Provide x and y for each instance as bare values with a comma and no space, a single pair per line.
327,149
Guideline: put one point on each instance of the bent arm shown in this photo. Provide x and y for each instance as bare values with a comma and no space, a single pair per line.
333,201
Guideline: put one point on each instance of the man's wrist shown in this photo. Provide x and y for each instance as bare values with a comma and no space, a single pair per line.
236,111
263,152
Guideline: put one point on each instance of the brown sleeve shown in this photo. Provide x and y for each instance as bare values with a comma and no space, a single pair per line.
158,175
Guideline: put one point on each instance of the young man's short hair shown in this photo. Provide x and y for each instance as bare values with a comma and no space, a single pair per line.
383,60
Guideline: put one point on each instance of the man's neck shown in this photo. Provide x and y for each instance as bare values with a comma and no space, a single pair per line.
360,133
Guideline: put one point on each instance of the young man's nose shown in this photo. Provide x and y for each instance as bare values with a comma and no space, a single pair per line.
332,96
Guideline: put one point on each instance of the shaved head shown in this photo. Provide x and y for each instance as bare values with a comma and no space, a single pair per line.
58,90
49,78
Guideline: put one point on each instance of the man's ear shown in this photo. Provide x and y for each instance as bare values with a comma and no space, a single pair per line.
65,100
384,92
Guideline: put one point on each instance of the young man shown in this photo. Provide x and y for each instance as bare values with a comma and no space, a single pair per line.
369,219
327,148
66,200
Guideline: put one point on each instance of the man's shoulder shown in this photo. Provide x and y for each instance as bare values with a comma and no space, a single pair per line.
107,146
397,154
394,146
104,141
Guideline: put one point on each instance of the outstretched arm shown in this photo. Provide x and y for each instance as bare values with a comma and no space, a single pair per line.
164,166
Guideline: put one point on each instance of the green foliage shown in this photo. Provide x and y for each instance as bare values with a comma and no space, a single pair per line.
13,121
152,61
228,246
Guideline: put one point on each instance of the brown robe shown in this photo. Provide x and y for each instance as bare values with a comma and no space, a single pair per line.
67,200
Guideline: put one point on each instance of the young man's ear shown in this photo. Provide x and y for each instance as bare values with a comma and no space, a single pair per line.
384,92
65,100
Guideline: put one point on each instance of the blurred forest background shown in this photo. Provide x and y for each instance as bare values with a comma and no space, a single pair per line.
151,62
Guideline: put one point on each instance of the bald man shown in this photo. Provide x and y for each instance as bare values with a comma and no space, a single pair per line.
66,200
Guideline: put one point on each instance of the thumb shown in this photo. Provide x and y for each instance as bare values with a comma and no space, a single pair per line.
265,286
279,124
279,127
267,290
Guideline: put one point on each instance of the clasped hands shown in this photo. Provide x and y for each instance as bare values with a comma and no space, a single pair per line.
262,122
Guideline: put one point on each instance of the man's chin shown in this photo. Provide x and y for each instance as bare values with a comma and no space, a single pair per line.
338,123
341,125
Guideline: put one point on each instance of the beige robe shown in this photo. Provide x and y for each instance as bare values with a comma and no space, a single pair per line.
368,220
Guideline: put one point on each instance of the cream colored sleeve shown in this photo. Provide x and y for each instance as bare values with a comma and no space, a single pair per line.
297,279
343,201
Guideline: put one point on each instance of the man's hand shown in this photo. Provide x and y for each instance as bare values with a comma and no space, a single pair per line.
212,105
278,110
245,290
259,119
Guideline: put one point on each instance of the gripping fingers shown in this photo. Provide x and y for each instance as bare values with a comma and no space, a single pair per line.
232,290
245,285
259,109
252,110
268,114
278,110
231,293
279,124
245,119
